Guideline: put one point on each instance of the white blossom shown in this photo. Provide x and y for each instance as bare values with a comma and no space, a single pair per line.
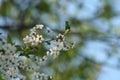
8,48
39,38
33,38
27,39
39,76
11,61
39,26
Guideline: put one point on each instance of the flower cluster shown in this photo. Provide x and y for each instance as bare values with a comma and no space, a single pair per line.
14,62
58,46
33,38
40,76
8,61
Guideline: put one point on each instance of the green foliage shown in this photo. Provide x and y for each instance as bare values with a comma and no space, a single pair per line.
107,12
9,39
19,48
43,6
67,27
1,77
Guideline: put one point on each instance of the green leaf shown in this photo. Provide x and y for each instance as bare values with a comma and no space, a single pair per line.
9,39
67,27
1,77
19,48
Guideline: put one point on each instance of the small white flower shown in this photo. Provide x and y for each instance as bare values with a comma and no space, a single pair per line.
39,38
60,36
39,26
59,45
9,48
26,39
45,58
54,51
32,33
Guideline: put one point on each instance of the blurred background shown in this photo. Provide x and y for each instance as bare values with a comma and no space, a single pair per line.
95,27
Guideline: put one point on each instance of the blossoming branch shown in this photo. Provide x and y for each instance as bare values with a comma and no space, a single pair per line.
31,56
